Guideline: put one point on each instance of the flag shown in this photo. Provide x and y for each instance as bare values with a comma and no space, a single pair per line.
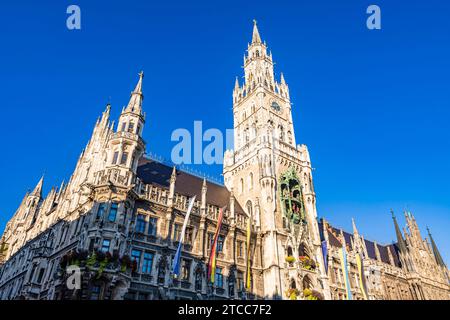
212,256
345,272
177,258
362,278
325,255
249,273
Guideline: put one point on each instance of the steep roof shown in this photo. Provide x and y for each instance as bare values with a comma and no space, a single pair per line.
334,232
157,173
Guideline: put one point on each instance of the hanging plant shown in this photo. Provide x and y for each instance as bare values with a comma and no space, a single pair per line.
91,260
292,293
290,259
102,267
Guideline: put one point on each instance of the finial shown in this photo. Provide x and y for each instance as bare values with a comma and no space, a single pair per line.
141,74
392,212
255,22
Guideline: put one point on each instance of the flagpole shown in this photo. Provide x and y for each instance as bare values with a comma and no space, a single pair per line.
177,258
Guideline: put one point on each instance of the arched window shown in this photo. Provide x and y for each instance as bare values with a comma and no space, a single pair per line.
307,283
241,186
131,127
281,132
293,284
249,207
290,253
303,251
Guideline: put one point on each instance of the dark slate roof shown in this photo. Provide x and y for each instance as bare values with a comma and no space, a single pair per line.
370,245
395,254
157,173
334,241
384,255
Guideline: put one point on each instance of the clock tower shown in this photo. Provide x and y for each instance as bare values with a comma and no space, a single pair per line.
271,177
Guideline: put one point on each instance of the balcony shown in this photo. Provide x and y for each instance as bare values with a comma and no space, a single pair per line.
128,136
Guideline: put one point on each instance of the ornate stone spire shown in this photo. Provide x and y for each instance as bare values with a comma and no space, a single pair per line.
135,103
283,81
256,38
401,242
37,192
436,252
355,230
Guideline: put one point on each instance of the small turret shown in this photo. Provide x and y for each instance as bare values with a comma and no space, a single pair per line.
203,203
400,241
37,192
436,252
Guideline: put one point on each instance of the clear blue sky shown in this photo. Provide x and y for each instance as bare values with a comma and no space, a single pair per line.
373,106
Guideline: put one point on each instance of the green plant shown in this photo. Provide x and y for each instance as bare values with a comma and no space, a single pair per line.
307,292
290,259
91,260
102,267
292,293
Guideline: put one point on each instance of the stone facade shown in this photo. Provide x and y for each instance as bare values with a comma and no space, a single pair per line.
118,220
410,269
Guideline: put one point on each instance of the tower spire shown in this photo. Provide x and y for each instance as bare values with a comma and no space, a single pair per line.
436,252
355,230
256,38
37,192
400,240
283,81
135,103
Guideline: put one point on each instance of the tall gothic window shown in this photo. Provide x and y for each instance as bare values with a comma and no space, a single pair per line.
176,232
136,257
281,133
240,281
131,127
124,159
220,242
115,157
147,262
140,223
101,210
219,278
113,212
152,226
240,249
106,245
185,269
249,207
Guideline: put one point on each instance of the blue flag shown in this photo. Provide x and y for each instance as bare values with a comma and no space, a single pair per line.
325,255
177,258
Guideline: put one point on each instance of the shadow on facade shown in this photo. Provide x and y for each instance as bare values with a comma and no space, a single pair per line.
112,261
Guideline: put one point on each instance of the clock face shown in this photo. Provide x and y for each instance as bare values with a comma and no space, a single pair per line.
276,106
